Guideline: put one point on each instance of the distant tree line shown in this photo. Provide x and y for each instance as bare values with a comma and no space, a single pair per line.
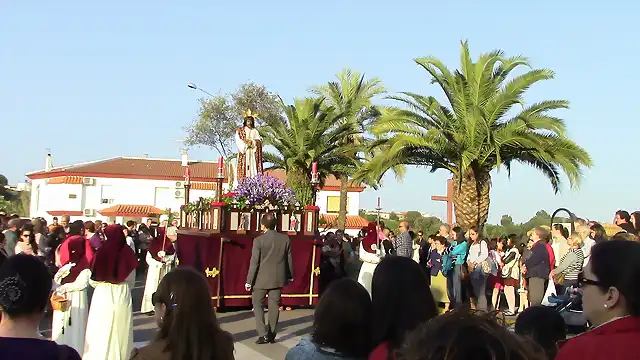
431,224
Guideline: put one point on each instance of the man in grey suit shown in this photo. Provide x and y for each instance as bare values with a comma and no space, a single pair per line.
271,268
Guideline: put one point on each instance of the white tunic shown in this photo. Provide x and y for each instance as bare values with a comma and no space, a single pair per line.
110,327
369,263
416,253
157,270
251,165
68,328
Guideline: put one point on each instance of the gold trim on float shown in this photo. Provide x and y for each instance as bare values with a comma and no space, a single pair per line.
313,263
220,267
211,273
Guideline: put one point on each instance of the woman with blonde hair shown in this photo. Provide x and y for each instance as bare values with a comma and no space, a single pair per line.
587,243
570,267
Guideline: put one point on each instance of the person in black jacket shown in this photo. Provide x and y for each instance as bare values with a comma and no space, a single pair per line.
537,267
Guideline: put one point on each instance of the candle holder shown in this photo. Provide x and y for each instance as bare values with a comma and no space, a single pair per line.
219,181
378,210
314,188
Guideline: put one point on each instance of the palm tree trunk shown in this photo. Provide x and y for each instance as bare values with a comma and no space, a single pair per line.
344,191
471,198
301,185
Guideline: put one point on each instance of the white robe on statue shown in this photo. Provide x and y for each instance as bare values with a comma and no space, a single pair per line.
68,327
369,263
157,270
110,327
249,151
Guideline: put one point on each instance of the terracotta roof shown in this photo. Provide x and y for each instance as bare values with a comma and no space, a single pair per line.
353,222
131,210
203,186
155,169
65,180
64,212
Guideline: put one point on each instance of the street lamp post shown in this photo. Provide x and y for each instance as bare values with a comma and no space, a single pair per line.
195,87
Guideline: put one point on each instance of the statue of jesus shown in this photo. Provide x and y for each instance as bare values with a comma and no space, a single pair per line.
249,145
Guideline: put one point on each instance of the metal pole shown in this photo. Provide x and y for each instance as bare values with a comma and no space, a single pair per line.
378,209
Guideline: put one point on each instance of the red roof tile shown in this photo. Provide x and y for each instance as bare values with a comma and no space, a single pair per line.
131,210
65,180
353,222
64,212
156,169
203,186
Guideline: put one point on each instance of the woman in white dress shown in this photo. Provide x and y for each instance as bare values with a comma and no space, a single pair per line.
68,327
159,258
369,255
110,328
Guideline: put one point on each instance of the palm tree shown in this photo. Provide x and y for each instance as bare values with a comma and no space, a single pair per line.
351,96
308,134
483,125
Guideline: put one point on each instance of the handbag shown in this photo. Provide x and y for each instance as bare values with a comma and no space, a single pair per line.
60,302
507,271
464,272
558,278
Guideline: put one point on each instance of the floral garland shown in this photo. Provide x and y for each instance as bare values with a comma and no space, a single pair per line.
262,192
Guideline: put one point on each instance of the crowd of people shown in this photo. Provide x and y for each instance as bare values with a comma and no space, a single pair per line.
461,268
90,270
383,296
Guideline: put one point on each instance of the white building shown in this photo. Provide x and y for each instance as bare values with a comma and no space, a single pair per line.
121,189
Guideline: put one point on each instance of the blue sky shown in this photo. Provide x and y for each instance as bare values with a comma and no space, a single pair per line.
91,81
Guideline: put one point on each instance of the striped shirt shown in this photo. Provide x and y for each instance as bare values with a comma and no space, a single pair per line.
571,264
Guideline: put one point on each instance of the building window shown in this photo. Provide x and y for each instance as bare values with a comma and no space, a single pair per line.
165,197
73,196
333,204
107,194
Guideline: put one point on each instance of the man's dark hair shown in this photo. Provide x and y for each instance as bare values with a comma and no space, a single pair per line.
269,221
75,228
441,239
130,223
55,218
13,223
90,226
624,215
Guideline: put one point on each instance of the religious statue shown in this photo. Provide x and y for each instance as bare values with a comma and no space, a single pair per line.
249,145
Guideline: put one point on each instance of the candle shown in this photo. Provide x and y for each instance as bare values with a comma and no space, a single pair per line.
220,167
378,201
187,175
314,172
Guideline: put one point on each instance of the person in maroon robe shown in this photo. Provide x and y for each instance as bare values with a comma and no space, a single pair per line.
113,274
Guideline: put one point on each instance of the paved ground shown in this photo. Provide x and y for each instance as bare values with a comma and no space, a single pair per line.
292,326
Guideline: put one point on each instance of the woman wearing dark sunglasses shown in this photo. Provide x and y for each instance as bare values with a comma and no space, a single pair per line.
27,242
611,301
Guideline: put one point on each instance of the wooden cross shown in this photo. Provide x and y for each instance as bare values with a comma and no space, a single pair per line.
449,199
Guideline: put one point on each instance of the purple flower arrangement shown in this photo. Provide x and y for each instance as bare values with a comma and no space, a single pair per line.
264,192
